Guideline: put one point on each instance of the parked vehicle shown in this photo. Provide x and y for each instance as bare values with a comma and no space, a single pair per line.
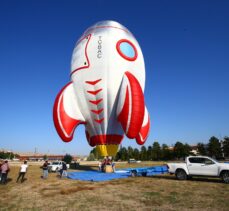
133,161
199,166
56,166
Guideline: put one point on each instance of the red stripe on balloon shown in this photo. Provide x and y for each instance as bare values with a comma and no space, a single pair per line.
95,102
99,120
105,139
93,82
94,92
85,51
97,111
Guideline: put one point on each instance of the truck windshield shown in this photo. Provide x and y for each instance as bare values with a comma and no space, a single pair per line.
55,163
215,160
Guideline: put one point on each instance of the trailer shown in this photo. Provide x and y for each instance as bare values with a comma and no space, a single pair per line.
145,171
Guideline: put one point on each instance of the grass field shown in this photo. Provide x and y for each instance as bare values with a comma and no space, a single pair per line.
138,193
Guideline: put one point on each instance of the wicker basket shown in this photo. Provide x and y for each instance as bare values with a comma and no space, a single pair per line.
108,169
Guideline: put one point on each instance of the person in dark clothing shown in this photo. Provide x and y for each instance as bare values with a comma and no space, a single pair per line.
64,170
45,170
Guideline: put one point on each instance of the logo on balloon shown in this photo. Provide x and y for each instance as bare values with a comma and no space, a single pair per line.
99,52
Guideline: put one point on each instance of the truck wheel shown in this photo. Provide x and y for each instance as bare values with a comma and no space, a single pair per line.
225,176
181,174
189,177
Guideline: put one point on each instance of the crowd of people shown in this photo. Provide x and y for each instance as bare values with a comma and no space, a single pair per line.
62,171
5,169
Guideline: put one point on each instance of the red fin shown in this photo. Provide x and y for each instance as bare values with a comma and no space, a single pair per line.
144,132
123,116
65,125
132,113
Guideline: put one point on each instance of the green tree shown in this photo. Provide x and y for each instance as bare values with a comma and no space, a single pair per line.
156,151
226,147
123,153
67,158
179,150
201,149
45,157
149,153
214,147
166,154
3,155
130,152
91,157
143,153
117,156
6,155
16,156
95,152
136,154
187,150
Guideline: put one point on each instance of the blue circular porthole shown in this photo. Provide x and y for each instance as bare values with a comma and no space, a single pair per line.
127,50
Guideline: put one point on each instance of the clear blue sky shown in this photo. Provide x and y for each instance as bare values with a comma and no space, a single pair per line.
186,50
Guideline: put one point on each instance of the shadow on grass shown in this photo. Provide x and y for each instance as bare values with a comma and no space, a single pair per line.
197,179
8,180
21,181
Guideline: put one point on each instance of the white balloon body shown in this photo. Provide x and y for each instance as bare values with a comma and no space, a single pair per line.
106,89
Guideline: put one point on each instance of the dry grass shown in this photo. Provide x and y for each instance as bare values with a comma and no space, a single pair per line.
139,193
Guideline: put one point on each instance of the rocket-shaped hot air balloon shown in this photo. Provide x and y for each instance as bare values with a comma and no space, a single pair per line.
106,89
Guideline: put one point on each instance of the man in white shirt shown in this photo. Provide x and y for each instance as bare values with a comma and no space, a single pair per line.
22,172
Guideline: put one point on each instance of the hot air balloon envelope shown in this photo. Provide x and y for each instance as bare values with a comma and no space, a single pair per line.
106,89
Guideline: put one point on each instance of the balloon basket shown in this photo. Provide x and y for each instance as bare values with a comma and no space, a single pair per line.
109,169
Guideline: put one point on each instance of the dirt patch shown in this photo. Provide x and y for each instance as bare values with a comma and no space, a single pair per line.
67,191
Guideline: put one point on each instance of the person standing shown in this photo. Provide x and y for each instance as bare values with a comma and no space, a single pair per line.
64,170
1,171
113,165
22,171
100,166
45,170
4,170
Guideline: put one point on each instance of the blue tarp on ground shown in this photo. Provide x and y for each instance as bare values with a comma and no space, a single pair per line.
121,173
96,176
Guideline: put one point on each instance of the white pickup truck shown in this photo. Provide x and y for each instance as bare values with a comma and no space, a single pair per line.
199,166
56,166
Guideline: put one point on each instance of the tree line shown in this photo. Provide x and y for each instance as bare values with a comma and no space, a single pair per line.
215,148
8,155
